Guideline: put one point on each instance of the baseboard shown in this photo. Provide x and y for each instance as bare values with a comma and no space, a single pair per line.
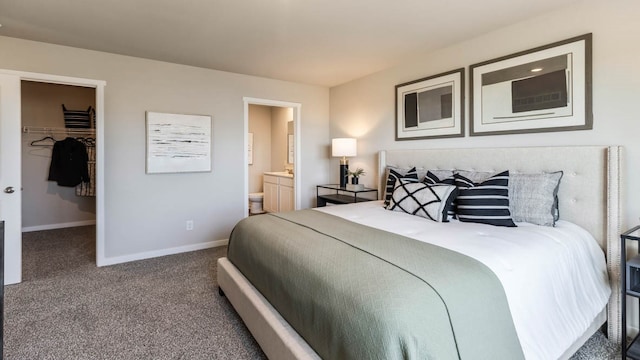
58,226
158,253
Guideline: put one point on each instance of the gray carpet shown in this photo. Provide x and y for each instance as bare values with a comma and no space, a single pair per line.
164,308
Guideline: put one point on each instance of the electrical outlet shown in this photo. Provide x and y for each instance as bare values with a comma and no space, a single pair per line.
189,225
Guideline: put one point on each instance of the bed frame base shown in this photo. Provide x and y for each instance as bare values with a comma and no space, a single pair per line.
275,336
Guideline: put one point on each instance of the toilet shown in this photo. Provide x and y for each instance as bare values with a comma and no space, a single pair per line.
255,203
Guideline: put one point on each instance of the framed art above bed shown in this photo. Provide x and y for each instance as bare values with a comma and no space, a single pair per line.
431,107
539,90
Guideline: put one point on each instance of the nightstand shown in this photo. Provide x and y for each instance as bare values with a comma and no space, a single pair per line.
630,278
334,194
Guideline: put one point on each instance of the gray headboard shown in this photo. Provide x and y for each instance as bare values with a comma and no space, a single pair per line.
589,193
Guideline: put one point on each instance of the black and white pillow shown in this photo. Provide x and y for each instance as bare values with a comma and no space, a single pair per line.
428,201
395,175
77,119
434,177
442,177
486,202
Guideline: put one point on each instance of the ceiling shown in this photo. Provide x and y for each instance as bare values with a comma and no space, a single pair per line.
319,42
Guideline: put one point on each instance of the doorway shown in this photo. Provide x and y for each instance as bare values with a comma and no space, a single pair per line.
11,158
290,140
47,112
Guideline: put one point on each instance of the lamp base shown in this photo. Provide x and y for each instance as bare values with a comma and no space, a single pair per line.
344,172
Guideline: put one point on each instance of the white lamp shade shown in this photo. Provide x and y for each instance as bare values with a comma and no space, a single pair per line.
343,147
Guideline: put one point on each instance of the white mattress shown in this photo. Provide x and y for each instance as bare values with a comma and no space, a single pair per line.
555,279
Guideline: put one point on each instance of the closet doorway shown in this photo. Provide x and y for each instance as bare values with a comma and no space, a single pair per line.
16,138
55,196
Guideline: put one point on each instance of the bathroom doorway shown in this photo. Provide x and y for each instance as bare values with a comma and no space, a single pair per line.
272,131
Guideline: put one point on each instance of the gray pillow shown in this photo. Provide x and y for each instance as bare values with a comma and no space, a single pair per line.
533,198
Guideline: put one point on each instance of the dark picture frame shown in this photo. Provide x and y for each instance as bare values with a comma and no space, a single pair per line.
431,107
545,89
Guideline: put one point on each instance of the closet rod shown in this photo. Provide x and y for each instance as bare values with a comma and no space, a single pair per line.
51,130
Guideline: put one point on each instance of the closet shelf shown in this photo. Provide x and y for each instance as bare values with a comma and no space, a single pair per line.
53,130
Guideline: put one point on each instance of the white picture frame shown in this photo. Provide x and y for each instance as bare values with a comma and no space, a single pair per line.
177,143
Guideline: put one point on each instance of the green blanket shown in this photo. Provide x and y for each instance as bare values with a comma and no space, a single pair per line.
354,292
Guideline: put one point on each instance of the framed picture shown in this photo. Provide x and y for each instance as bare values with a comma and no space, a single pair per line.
543,89
178,143
432,107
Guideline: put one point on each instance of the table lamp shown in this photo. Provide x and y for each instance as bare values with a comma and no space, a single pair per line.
343,147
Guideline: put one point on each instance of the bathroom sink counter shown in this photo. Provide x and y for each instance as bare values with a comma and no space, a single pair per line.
279,173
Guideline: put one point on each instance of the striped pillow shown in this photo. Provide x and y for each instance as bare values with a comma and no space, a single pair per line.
434,177
77,119
395,175
486,202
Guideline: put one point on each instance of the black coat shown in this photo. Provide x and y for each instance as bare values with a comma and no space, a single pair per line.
69,163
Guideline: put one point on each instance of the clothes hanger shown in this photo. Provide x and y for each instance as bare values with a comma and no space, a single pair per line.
87,141
35,142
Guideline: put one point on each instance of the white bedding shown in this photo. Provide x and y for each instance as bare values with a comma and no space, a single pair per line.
555,278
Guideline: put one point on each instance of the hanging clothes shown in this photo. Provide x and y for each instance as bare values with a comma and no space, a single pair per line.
69,163
89,188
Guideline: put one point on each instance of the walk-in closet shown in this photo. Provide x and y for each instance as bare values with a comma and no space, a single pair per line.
58,160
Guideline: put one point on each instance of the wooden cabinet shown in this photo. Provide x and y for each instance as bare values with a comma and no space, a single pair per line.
278,193
270,188
285,194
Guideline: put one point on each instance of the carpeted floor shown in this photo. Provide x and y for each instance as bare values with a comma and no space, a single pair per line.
164,308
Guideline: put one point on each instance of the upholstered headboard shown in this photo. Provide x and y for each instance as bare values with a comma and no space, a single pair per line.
589,193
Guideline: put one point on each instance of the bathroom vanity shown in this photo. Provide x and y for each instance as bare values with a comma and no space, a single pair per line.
278,192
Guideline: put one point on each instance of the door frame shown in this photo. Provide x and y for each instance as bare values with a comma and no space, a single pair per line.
98,85
297,107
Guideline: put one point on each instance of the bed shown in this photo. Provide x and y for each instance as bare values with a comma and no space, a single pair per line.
588,197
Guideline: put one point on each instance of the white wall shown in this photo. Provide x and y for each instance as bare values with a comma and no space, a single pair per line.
364,108
146,213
